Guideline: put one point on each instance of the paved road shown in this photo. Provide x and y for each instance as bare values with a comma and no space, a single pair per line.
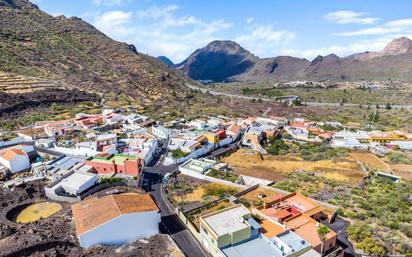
170,222
222,150
267,99
339,226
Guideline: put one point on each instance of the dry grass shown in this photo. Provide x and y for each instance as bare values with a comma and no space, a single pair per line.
254,195
371,161
345,170
38,211
196,195
199,191
403,170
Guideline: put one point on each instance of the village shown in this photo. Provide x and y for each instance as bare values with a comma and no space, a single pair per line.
121,174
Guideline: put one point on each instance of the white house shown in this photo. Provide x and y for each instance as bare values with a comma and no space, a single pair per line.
15,160
70,187
161,132
113,118
135,118
115,219
142,145
349,139
233,131
198,124
194,168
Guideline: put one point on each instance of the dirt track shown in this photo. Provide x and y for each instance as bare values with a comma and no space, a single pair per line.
55,236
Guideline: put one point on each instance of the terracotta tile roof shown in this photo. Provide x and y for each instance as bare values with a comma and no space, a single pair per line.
93,212
308,231
270,229
234,129
277,118
297,125
11,153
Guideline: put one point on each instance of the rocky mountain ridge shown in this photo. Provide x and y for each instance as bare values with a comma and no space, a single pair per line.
77,55
222,61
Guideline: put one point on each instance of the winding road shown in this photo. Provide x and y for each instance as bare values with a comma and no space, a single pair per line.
170,224
267,99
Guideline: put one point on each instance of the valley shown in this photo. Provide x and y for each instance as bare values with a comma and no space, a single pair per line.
107,150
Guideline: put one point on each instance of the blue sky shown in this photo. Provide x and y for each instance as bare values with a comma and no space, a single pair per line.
267,28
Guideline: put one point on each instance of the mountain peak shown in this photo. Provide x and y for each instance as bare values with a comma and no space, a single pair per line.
166,61
18,4
398,46
227,46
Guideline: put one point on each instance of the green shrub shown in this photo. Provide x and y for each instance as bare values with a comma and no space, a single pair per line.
178,153
106,180
277,147
398,158
218,190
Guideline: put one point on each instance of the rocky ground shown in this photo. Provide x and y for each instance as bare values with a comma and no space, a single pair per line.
10,104
55,235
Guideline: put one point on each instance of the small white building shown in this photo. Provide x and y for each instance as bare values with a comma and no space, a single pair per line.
15,160
69,187
143,146
78,182
115,219
161,132
113,118
195,168
233,131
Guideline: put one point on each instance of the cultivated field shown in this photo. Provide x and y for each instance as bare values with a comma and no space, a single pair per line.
371,161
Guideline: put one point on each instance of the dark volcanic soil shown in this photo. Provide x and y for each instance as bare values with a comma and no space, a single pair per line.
13,103
55,235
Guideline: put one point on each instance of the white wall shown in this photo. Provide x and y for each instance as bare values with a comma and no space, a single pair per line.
82,151
14,141
123,229
77,190
18,163
193,155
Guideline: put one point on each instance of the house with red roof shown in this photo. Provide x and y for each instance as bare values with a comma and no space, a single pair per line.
115,219
15,160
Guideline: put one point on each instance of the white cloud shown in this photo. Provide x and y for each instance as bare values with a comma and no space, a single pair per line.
114,23
369,31
160,31
341,50
156,12
349,17
262,40
395,26
250,20
108,2
166,15
400,23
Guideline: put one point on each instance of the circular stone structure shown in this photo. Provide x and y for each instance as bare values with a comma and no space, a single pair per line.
37,211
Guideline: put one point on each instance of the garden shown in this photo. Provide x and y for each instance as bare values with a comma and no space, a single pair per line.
380,211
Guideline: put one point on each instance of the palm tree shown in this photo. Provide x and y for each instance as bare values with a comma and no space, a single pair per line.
322,232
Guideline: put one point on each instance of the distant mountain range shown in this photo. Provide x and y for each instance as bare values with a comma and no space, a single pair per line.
77,55
227,61
166,61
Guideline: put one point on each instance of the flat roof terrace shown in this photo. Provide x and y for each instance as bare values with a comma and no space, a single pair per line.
301,203
197,165
256,247
118,159
228,220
